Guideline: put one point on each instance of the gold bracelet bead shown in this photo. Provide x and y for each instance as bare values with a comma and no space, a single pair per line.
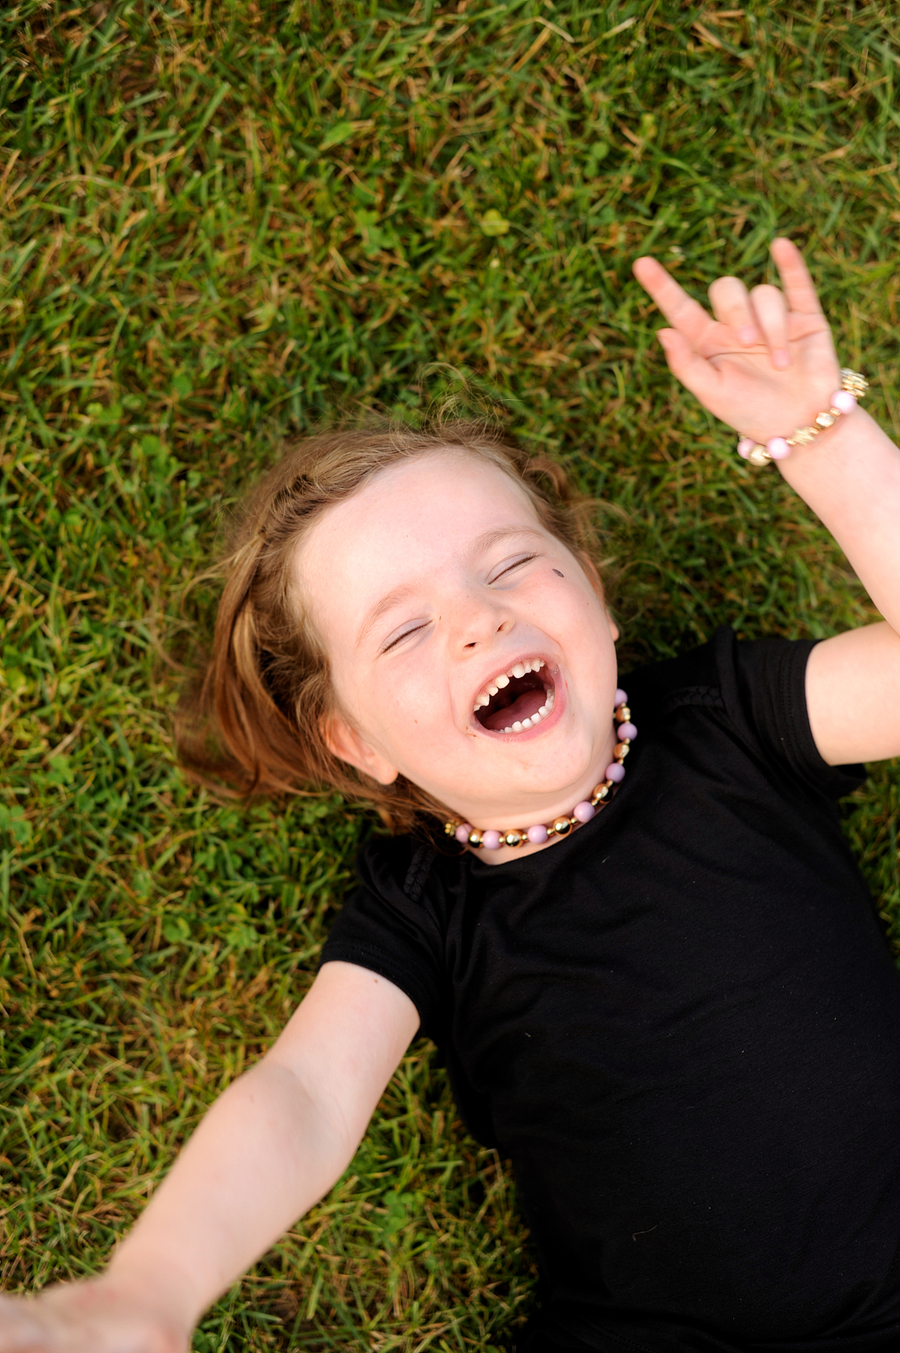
514,838
621,750
475,838
600,793
562,826
758,455
854,382
623,714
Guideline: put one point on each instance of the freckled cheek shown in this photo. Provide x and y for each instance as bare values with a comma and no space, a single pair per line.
419,702
394,705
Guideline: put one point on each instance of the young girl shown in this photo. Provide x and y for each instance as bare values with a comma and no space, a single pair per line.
659,983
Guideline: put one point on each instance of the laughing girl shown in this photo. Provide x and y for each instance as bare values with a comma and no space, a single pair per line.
629,920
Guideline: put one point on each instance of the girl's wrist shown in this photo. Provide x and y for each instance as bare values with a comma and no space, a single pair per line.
158,1287
842,402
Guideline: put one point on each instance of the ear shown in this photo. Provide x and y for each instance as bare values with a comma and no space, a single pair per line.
345,743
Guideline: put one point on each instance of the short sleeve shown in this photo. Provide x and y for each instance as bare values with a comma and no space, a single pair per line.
391,925
763,685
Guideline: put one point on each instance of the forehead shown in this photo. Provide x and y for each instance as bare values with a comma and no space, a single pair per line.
405,523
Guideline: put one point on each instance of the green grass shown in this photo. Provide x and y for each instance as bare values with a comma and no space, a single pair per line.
219,223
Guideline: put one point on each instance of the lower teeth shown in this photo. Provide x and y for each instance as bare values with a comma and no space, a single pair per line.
519,727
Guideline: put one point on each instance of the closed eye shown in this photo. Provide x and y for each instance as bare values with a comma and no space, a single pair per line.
509,566
396,639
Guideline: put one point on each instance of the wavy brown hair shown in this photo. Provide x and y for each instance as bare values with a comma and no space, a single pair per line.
251,722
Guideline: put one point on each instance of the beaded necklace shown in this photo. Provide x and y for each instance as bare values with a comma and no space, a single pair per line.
537,835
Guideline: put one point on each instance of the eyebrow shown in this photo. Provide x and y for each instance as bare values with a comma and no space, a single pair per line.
378,610
391,599
491,538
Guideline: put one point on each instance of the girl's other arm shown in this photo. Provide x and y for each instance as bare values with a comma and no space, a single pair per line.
766,365
269,1148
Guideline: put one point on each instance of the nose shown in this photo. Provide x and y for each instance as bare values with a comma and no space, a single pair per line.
481,619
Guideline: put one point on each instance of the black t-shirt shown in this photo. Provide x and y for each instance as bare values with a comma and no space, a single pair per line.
680,1023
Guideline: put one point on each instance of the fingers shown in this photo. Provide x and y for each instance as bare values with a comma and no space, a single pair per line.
798,285
731,305
757,316
685,314
770,310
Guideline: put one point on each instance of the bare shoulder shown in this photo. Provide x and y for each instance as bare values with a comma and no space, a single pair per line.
853,695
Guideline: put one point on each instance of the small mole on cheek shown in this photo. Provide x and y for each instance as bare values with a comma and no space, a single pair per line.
558,574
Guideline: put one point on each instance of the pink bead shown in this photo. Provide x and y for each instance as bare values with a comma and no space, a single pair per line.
614,772
843,400
627,730
620,698
462,833
490,840
778,448
745,446
584,811
537,835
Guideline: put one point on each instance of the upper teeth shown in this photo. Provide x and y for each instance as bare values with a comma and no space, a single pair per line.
530,665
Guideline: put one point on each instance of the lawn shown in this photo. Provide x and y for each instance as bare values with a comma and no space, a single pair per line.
221,224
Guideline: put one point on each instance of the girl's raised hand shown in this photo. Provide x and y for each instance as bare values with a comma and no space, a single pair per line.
764,361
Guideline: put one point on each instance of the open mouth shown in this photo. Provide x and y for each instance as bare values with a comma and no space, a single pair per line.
517,699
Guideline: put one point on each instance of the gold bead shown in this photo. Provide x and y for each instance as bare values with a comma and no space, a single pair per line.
824,420
450,828
621,751
853,381
562,826
759,456
600,792
803,436
475,837
623,714
835,413
513,838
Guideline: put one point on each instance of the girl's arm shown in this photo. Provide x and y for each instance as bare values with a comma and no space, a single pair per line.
269,1148
766,365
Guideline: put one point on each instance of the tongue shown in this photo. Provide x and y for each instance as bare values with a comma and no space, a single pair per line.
528,703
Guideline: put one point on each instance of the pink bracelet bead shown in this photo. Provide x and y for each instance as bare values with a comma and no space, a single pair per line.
778,448
843,400
745,446
620,698
584,811
537,835
462,833
627,730
490,840
615,772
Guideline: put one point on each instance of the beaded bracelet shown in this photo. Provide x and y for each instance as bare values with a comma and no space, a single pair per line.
853,387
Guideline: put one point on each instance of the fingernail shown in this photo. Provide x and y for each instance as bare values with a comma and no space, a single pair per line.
781,359
747,334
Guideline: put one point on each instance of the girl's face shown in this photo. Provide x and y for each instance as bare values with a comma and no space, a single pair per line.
468,649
